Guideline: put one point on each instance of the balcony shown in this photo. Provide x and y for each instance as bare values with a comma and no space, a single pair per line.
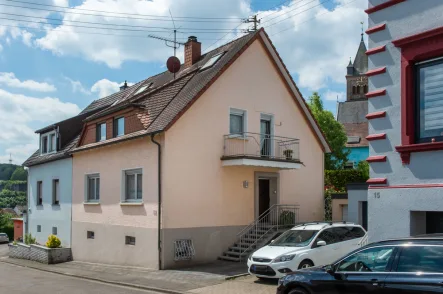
253,149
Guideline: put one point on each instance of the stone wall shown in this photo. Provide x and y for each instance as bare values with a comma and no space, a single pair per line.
40,253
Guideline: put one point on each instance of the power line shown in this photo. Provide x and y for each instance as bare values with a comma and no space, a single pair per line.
98,28
311,19
278,5
115,16
224,36
121,13
109,24
268,20
87,33
297,14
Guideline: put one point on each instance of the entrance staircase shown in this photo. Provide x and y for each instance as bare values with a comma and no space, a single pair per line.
277,219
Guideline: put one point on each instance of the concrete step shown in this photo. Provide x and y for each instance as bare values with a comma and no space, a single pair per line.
240,249
236,259
232,253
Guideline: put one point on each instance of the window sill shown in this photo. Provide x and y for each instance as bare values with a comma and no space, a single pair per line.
406,150
131,203
56,205
239,137
91,203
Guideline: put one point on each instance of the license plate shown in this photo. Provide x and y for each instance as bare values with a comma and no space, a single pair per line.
258,267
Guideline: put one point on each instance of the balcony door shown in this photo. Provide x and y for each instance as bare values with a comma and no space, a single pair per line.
265,137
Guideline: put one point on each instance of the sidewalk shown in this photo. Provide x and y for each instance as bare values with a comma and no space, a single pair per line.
166,281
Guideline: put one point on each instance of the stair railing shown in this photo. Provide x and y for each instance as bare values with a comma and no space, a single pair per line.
278,216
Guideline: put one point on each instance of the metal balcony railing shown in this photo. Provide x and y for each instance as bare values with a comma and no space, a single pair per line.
262,146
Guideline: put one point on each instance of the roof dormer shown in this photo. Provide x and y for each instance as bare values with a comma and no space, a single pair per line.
48,142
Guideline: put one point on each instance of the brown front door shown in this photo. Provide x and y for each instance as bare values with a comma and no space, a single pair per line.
263,195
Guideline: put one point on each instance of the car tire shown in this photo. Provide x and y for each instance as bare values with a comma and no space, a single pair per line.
298,291
305,264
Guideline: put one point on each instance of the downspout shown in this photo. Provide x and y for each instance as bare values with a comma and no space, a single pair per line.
159,209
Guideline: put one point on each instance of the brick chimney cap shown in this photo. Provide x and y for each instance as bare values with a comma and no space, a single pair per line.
192,39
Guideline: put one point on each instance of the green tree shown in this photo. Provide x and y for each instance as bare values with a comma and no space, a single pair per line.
363,168
334,133
6,171
6,225
20,174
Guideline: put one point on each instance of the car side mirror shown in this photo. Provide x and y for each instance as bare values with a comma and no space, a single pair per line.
321,243
272,241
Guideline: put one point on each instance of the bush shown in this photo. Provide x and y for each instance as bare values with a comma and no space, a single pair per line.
286,218
339,178
328,201
29,239
53,242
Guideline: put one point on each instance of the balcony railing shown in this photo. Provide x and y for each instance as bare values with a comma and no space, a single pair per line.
261,146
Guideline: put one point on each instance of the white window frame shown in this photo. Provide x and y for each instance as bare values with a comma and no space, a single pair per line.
269,117
239,112
115,126
48,143
55,192
87,178
133,171
99,127
39,193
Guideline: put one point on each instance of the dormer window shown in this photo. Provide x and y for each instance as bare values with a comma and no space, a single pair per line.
48,143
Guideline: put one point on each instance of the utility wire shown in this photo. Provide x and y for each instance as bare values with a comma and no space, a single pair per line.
99,28
297,14
289,11
86,33
224,36
115,16
311,19
272,13
109,24
121,13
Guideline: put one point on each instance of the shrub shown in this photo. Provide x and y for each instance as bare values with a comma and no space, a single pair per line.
339,178
328,201
29,239
287,218
14,242
53,242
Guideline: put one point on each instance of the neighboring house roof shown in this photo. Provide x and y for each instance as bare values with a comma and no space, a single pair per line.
359,130
8,210
168,98
352,111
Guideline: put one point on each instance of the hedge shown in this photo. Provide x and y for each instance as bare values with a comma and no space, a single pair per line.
339,178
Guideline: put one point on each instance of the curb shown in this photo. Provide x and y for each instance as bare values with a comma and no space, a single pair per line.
236,276
135,286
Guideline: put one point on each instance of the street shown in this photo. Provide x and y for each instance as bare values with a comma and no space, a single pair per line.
15,279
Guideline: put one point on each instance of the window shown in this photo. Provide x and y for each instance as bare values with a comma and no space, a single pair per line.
93,188
54,230
101,132
354,90
365,89
143,88
39,193
358,89
429,101
52,143
44,144
348,233
119,126
90,235
212,61
426,259
39,228
349,165
133,185
329,236
237,122
129,240
369,260
55,192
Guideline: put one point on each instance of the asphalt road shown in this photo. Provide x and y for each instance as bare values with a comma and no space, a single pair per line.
20,280
4,249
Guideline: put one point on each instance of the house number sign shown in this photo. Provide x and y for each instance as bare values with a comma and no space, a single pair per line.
377,195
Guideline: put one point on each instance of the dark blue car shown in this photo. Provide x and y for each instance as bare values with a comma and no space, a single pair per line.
406,266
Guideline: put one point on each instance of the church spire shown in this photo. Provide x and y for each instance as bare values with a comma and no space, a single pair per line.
361,59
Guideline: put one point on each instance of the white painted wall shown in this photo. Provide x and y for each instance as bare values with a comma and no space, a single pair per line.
48,215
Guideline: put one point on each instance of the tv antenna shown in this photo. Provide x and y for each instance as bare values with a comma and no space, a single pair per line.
10,158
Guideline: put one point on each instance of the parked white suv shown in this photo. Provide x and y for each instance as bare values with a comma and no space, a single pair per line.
303,246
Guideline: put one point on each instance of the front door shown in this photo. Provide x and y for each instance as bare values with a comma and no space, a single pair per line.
265,138
364,214
264,194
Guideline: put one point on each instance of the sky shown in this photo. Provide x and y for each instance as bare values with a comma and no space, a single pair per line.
57,56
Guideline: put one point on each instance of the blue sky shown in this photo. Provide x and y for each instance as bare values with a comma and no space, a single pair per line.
49,73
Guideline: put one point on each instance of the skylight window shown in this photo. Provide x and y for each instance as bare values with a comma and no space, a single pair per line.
353,140
212,61
143,88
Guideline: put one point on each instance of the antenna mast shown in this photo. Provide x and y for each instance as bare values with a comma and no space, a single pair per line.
10,158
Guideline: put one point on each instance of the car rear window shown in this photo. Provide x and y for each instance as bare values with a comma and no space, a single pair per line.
348,233
2,235
426,259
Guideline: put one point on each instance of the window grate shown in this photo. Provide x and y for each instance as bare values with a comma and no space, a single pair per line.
184,249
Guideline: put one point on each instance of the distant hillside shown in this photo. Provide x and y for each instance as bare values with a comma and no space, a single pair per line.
6,171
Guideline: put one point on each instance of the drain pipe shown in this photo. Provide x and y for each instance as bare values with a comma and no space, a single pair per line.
159,209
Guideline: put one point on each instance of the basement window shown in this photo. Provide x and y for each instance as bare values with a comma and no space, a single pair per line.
212,61
184,249
130,240
39,228
54,230
90,235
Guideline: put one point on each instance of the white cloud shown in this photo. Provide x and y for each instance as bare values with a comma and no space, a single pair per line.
77,86
1,48
18,116
333,96
9,79
106,87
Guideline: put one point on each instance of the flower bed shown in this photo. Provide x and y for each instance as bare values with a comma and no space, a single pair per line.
39,253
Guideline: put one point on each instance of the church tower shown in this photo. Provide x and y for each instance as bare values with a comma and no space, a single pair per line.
356,79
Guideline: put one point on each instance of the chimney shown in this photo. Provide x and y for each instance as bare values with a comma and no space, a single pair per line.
193,51
125,86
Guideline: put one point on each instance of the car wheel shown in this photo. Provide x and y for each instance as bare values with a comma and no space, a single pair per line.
305,264
298,291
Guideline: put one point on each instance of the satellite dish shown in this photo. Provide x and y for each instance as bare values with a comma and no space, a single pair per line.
173,64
